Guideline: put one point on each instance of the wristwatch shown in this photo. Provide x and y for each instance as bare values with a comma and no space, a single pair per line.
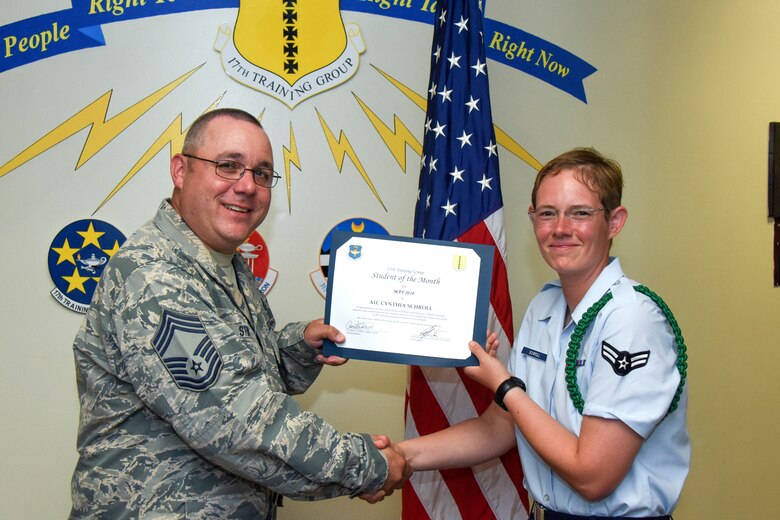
503,388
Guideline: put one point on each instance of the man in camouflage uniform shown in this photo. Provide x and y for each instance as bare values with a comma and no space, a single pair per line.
183,382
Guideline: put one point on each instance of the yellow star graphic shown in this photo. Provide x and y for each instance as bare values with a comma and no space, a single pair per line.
113,250
66,253
91,236
76,281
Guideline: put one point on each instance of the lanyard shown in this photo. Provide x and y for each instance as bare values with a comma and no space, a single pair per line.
588,317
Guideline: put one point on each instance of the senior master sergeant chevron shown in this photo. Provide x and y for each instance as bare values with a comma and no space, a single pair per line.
183,382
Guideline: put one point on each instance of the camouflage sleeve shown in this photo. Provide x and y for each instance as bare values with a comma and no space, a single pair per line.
196,364
298,367
297,363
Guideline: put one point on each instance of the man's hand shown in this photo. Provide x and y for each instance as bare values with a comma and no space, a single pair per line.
381,441
315,332
398,470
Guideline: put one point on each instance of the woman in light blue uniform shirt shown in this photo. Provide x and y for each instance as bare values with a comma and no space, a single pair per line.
594,396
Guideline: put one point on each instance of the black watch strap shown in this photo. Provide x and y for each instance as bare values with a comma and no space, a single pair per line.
503,388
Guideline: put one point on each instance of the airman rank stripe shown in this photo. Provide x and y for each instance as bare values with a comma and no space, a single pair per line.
187,351
621,361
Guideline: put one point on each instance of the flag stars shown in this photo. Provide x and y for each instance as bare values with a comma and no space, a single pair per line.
458,113
449,208
457,175
445,94
485,182
454,60
465,139
479,68
462,25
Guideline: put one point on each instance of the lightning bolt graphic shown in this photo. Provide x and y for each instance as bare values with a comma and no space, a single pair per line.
514,147
102,131
340,148
416,98
290,157
502,137
174,135
396,139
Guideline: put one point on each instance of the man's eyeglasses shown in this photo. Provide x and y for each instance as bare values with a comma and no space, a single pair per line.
548,215
232,170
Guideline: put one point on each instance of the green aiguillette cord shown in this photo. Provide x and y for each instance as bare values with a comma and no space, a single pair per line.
587,319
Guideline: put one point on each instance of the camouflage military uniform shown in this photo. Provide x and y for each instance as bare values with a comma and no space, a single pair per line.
184,390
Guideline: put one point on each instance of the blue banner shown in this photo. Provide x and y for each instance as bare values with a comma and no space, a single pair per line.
415,10
537,57
79,27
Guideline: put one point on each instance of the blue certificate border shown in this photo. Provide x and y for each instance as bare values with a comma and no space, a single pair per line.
481,307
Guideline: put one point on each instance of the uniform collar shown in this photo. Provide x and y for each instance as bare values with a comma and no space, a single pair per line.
549,298
608,277
172,225
190,245
553,294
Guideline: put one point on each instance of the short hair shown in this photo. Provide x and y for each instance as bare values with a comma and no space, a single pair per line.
195,135
599,173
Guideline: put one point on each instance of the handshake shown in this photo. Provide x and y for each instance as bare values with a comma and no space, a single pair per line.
430,451
398,469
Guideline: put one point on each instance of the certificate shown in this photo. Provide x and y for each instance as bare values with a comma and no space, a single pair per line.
408,301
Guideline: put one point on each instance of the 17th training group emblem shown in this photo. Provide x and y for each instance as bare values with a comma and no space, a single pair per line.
290,49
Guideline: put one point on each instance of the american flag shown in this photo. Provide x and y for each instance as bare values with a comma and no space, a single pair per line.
459,199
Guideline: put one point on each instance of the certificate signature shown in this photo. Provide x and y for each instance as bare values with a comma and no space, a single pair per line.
359,326
431,333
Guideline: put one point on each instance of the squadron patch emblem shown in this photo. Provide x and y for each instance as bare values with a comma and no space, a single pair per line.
255,251
77,257
354,225
185,347
621,361
355,252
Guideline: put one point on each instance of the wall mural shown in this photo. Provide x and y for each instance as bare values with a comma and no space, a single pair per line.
309,50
